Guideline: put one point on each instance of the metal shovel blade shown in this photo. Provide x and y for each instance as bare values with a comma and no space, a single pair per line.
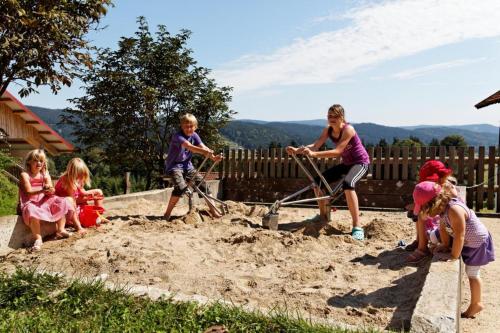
270,221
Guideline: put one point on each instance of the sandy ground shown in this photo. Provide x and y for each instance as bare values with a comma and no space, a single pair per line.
488,320
324,275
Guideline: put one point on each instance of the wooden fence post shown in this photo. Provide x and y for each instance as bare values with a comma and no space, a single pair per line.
128,185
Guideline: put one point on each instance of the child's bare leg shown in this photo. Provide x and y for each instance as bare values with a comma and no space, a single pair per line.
421,236
475,305
352,204
323,206
171,204
35,228
61,230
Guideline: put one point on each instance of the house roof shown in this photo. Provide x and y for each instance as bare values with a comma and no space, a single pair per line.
495,98
50,136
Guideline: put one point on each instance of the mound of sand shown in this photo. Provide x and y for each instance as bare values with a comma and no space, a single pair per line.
320,273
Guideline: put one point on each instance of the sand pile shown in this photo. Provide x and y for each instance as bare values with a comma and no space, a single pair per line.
321,275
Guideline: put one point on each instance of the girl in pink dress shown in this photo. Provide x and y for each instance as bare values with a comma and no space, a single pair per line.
37,199
71,185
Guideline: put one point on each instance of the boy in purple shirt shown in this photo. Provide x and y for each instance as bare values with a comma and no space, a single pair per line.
178,163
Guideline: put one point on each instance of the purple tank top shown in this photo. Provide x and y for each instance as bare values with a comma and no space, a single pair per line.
475,232
354,152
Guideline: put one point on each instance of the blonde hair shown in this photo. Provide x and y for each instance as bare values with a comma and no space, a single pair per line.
35,155
337,110
76,170
438,204
188,118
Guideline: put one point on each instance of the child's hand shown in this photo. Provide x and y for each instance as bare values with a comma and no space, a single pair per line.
291,150
308,152
49,190
216,158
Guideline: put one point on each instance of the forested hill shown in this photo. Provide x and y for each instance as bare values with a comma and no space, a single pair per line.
257,133
250,134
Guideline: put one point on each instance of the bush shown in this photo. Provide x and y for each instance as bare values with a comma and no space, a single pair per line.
8,196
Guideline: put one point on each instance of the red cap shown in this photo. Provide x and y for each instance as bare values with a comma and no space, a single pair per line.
432,171
423,193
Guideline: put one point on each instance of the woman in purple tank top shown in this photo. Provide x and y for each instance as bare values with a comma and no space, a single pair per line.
355,162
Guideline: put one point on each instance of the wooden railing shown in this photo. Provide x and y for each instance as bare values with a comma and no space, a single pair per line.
471,166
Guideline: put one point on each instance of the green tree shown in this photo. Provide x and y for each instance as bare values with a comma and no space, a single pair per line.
8,191
382,143
434,142
136,94
42,42
454,140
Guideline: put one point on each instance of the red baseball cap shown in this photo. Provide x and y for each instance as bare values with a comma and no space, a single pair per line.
433,170
423,193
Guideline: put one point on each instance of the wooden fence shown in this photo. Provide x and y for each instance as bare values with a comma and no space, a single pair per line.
476,168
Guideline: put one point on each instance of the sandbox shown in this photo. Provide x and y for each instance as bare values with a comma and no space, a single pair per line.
323,275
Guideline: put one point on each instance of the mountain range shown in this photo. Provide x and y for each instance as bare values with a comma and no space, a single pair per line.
251,134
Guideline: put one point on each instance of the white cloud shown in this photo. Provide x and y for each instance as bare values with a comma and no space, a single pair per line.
377,33
420,71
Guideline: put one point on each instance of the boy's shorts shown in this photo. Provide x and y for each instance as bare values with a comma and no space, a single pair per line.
180,179
353,174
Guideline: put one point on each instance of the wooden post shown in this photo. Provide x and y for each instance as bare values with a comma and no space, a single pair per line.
286,165
378,164
128,185
395,163
442,153
265,163
491,177
451,159
423,156
233,163
272,172
461,165
404,170
480,179
470,177
371,155
259,164
414,161
239,164
251,169
387,163
279,167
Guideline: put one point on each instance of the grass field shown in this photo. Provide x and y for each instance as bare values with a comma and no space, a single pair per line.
31,302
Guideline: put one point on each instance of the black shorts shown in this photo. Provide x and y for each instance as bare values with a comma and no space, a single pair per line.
353,173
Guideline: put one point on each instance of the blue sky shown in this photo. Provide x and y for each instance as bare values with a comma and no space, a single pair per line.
398,62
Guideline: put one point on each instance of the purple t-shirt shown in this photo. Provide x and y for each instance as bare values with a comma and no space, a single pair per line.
178,157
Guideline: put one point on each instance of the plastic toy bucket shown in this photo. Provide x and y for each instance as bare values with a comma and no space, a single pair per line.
89,215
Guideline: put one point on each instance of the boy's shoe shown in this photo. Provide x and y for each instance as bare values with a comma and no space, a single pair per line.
358,233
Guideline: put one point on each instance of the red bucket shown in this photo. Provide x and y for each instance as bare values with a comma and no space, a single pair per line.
89,215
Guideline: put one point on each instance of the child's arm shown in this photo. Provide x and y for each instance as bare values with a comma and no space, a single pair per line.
339,148
202,149
457,217
313,146
25,185
212,156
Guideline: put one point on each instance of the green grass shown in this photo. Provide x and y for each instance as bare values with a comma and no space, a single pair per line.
8,196
31,302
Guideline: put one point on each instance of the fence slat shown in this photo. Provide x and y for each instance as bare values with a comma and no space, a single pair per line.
461,165
233,163
286,165
251,169
239,164
404,170
246,164
258,164
265,163
272,165
378,163
414,161
452,152
293,168
432,152
395,162
279,167
387,162
470,177
491,178
442,154
423,157
371,155
480,179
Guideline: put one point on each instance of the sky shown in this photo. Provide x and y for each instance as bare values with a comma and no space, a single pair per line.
396,63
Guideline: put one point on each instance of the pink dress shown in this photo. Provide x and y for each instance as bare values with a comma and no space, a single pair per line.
48,208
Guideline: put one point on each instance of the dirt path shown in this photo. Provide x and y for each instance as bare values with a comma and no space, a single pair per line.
324,275
489,319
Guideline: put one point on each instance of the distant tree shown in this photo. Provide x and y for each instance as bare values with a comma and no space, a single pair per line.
382,143
274,144
293,143
416,139
454,140
136,94
434,142
43,42
408,142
